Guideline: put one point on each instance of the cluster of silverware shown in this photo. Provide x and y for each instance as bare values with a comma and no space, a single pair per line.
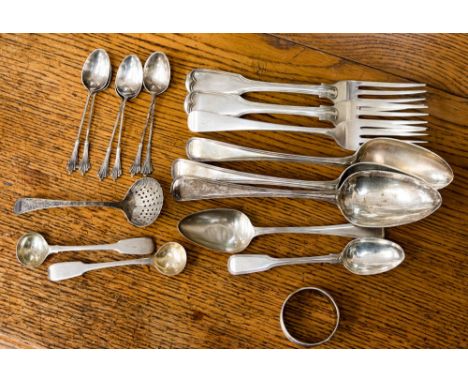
144,200
131,76
141,205
387,181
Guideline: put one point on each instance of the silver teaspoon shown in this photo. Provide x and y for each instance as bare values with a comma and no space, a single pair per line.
366,199
364,256
406,157
229,230
170,260
95,76
156,78
32,249
128,83
141,205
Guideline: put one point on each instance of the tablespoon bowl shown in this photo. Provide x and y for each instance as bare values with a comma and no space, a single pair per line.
129,78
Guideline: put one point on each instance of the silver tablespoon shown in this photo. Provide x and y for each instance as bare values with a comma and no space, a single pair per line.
128,83
406,157
364,256
169,260
367,198
32,249
141,205
230,230
156,78
95,76
184,167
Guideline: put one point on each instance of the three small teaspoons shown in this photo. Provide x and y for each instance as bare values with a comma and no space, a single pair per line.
364,256
141,205
230,230
406,157
32,249
170,260
366,199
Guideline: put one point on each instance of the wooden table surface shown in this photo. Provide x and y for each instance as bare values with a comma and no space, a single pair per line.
421,304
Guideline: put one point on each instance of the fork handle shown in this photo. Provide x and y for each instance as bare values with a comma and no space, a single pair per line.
236,106
206,122
217,81
209,150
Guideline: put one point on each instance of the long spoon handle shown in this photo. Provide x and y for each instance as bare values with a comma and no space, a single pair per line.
216,81
209,150
236,106
68,270
206,122
184,167
72,162
84,165
134,246
345,230
190,188
147,165
244,264
24,205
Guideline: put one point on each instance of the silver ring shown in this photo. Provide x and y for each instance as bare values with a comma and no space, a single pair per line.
297,341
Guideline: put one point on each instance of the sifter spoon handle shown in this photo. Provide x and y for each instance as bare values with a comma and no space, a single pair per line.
24,205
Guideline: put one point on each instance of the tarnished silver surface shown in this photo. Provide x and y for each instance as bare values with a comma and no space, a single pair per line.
128,83
169,260
229,230
406,157
348,134
362,256
301,342
367,198
217,81
95,76
32,249
156,78
141,205
184,167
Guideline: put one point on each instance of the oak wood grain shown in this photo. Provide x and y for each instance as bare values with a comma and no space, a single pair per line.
423,303
435,59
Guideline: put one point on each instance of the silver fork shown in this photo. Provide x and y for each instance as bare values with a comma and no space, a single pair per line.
236,106
217,81
348,134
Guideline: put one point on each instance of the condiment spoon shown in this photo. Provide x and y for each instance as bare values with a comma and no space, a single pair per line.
169,260
364,256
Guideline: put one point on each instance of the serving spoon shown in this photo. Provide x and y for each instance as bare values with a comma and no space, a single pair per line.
184,167
128,83
32,249
141,205
156,78
364,256
230,230
367,198
95,77
169,260
406,157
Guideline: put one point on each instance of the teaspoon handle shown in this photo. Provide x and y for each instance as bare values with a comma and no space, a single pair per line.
134,246
345,230
190,188
24,205
68,270
245,264
208,150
